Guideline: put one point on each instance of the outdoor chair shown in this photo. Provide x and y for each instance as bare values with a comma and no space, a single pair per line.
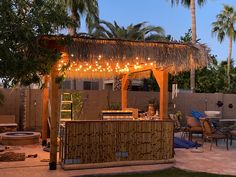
212,134
178,127
232,134
194,127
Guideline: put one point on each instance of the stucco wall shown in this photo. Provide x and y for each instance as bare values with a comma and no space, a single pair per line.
95,101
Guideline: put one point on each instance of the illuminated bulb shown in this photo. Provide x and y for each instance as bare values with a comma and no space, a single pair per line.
90,67
149,58
80,66
145,64
136,58
59,65
127,63
99,56
137,63
151,64
72,55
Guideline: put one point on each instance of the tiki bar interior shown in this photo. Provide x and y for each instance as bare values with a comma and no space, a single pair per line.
122,137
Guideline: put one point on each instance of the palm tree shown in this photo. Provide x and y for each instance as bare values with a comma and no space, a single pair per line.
133,32
224,26
191,4
79,8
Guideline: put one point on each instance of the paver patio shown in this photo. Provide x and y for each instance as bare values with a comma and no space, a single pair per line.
219,161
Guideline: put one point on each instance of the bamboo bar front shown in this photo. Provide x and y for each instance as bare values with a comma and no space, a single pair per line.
89,142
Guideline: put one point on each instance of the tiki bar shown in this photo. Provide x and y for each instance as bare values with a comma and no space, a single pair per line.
121,137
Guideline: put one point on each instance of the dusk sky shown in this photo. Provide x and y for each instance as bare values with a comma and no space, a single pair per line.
175,20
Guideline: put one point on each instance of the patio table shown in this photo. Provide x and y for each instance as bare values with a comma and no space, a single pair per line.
231,121
227,120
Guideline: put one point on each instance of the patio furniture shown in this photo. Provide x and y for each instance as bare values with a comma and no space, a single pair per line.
209,133
178,127
230,127
232,134
194,127
7,123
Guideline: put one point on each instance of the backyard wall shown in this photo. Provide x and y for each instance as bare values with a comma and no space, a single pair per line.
26,104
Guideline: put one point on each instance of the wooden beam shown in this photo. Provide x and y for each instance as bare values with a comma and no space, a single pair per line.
124,87
54,118
45,114
162,80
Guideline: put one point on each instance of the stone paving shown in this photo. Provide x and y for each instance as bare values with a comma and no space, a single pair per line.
219,161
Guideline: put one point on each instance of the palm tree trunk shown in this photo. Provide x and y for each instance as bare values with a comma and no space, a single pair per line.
72,30
194,38
229,59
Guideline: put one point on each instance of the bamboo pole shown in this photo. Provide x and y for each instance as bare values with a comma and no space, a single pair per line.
161,77
124,86
54,116
45,111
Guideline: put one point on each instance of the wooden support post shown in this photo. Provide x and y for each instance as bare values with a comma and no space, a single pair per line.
162,80
45,114
54,119
124,87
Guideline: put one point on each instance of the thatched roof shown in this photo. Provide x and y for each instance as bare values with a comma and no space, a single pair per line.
91,53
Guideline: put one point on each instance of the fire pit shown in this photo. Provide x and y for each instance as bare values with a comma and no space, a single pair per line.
19,138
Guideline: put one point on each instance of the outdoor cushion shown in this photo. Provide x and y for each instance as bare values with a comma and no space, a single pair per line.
182,143
191,122
233,132
196,129
197,115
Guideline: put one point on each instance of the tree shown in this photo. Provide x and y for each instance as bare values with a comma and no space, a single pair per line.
22,59
224,26
191,4
133,32
79,8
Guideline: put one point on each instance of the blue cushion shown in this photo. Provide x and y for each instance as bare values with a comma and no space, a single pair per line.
182,143
197,115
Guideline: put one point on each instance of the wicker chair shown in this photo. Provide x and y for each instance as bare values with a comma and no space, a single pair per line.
209,133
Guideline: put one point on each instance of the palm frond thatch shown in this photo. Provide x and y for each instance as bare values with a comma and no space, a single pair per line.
176,57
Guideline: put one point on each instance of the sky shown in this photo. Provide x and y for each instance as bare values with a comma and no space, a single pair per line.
175,20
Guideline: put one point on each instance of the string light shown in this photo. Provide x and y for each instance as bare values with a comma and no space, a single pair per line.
102,68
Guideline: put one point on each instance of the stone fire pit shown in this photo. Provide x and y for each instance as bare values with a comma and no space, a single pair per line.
19,138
